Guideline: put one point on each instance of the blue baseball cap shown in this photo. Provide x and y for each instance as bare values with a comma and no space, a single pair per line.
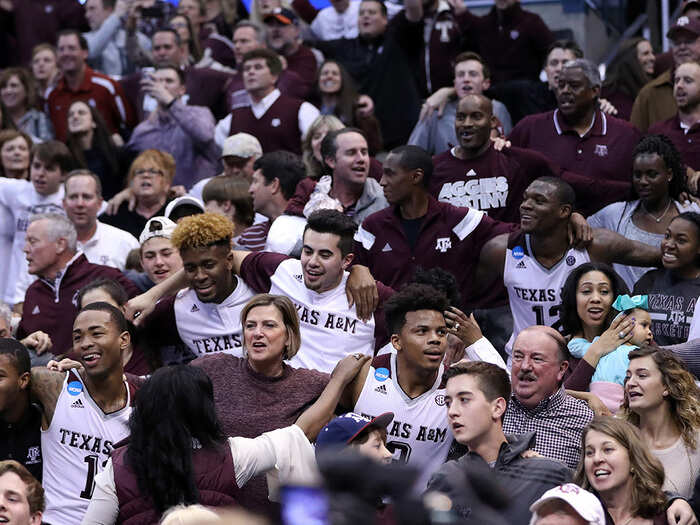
342,430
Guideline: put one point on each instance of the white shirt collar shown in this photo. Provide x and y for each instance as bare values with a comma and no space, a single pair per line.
259,108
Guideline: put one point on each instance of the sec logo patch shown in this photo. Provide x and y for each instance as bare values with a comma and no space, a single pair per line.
440,400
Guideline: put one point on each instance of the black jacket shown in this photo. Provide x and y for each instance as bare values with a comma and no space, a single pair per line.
21,441
523,480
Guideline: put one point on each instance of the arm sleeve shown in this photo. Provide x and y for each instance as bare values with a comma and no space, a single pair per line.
286,449
160,327
197,122
689,352
221,130
307,114
580,378
483,350
258,268
305,9
97,40
104,505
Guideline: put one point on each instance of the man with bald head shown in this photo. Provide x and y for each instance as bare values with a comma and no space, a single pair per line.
475,175
539,402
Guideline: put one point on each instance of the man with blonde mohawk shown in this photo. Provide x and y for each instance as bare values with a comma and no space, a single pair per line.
207,314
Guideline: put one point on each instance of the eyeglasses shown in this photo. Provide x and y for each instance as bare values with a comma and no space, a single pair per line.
149,171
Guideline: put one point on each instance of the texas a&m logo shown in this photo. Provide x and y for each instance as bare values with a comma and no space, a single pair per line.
443,244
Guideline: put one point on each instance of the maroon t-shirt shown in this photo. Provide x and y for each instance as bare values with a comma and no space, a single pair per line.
450,238
249,404
495,181
687,143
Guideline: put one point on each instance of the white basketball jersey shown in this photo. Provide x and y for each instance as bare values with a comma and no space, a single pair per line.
330,329
534,292
208,328
419,434
76,447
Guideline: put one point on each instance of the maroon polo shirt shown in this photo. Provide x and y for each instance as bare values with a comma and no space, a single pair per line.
494,182
512,41
99,91
687,142
603,153
450,238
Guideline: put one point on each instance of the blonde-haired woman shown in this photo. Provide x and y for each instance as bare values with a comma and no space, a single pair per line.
663,401
311,145
617,467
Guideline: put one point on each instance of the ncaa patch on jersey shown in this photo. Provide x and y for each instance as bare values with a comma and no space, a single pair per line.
381,374
518,253
74,388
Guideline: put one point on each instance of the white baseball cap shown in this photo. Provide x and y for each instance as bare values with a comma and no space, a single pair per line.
181,201
241,145
157,227
586,504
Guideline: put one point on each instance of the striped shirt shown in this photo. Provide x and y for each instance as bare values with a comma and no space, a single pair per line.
254,237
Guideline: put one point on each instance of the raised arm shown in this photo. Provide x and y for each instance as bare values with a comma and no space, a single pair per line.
611,247
314,418
140,306
46,386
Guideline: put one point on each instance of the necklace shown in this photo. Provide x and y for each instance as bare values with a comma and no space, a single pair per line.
657,219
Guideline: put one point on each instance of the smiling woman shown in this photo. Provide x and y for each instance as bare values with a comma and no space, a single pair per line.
619,469
663,401
673,290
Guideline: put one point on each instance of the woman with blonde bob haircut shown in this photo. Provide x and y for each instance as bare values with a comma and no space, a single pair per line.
277,308
663,401
311,145
260,392
618,468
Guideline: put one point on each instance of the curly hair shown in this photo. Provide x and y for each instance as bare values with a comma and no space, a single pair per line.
664,148
683,394
570,321
202,230
411,298
647,499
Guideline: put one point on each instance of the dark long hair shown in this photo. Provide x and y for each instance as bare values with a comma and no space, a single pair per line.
102,141
347,96
174,413
570,321
664,148
625,73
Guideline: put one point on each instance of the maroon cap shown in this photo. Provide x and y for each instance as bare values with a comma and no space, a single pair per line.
282,15
684,24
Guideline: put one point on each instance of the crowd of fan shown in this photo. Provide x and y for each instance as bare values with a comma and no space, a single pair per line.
357,263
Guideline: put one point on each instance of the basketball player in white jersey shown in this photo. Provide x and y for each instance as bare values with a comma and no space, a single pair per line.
408,382
85,413
535,261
